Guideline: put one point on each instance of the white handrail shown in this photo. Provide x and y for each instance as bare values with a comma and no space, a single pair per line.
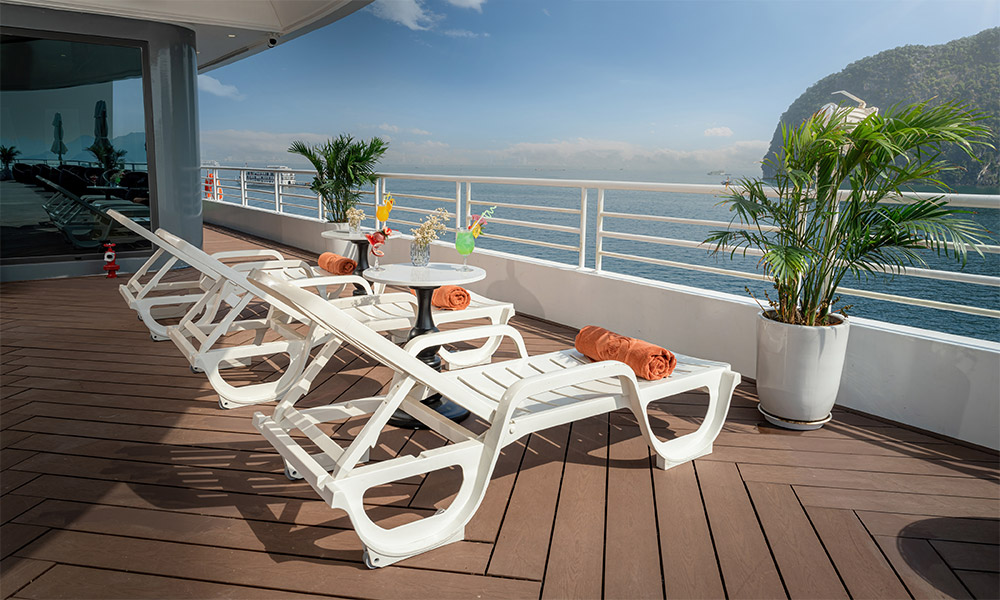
463,204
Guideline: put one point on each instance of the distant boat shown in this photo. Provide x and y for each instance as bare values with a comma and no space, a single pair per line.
267,177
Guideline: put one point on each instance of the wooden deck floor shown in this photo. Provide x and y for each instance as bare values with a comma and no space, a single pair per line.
121,478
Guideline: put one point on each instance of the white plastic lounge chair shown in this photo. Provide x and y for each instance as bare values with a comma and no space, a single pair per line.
198,339
156,300
516,397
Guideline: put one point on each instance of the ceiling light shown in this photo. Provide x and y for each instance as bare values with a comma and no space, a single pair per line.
232,35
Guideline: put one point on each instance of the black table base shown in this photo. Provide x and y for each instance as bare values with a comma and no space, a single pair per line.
362,246
429,356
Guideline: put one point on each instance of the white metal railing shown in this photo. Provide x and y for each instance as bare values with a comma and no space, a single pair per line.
286,198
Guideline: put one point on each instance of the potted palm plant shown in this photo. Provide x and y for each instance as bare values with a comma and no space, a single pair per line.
7,156
342,165
812,234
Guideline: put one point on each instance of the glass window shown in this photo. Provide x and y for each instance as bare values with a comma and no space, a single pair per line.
73,145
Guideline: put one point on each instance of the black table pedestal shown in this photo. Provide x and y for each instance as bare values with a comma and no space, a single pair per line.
362,246
429,356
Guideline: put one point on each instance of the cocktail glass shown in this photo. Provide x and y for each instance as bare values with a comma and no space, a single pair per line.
375,240
465,243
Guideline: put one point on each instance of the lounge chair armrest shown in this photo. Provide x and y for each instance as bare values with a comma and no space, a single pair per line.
546,382
332,280
270,265
266,254
439,338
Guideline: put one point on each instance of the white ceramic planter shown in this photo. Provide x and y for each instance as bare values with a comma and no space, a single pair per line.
798,371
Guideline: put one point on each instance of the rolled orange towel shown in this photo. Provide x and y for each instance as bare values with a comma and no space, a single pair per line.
336,264
450,297
648,361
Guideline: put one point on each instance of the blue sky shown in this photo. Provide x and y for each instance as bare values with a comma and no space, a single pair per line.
656,85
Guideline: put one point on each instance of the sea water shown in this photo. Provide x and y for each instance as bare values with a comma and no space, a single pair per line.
694,206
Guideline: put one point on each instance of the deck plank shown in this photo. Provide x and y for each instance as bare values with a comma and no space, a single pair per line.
803,563
632,550
855,554
690,567
15,573
576,556
523,542
983,586
922,570
748,570
257,569
982,531
81,583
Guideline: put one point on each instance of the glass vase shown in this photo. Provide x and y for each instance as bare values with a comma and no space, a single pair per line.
420,255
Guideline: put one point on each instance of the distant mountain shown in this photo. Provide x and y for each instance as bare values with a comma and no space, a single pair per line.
966,69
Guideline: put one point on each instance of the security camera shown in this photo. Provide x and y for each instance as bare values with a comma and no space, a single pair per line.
272,41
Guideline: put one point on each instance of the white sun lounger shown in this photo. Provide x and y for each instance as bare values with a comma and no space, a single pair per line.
516,397
155,300
198,339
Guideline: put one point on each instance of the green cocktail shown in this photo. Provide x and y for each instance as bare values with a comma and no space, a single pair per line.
465,243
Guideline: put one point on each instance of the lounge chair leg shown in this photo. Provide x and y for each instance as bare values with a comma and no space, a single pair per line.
698,443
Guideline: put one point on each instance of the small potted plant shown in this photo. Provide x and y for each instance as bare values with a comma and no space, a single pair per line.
342,165
7,156
812,235
432,225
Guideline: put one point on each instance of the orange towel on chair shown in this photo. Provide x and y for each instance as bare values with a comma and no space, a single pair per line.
646,360
336,264
450,297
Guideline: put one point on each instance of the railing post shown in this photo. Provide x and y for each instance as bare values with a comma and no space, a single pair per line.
277,192
599,234
458,207
243,188
380,200
468,201
215,185
583,227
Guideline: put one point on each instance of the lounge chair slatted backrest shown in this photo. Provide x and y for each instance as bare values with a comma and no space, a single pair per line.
197,333
516,397
146,296
311,308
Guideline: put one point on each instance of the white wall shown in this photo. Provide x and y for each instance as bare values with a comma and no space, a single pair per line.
938,382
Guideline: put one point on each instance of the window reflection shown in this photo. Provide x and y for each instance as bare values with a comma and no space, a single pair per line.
73,147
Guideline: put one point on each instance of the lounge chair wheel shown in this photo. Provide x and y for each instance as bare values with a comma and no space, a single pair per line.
370,562
226,405
293,475
197,371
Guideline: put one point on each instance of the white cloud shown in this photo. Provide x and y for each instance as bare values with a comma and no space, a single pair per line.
215,87
408,13
234,147
397,129
719,132
545,12
462,33
476,5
